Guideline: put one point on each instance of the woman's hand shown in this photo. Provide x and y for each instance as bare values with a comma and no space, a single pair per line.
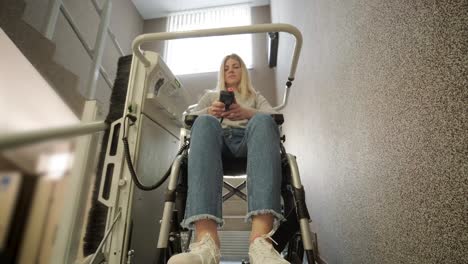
216,109
237,112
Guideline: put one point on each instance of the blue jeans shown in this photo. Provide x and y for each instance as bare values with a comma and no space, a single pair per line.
259,142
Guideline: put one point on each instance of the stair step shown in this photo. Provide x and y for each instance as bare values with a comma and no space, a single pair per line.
236,224
234,206
234,244
39,50
31,42
12,8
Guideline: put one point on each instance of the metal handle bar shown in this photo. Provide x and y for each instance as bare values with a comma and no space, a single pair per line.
259,28
15,140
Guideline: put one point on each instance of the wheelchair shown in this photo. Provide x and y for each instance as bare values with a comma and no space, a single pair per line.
294,238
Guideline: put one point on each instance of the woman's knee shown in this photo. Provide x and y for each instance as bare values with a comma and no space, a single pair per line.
262,118
206,123
264,122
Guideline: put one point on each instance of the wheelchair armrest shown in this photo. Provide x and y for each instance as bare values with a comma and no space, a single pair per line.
190,119
279,118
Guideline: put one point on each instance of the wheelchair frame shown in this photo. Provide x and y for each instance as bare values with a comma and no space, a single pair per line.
292,191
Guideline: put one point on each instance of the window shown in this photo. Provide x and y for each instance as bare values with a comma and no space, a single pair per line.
196,55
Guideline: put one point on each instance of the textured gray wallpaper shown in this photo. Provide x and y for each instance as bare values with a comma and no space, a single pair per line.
378,120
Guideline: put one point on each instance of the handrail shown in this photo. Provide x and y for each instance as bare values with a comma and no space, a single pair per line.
109,31
85,45
116,43
15,140
76,30
106,235
57,6
53,12
96,6
98,51
259,28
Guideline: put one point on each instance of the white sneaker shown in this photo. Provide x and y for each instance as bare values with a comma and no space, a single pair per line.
204,252
261,252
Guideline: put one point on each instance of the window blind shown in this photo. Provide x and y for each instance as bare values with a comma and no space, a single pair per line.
186,56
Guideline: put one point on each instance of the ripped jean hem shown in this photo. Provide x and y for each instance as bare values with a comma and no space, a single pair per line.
189,222
278,218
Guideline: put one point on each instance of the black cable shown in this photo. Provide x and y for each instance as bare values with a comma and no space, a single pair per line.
130,162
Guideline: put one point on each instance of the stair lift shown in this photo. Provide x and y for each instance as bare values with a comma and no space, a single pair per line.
155,95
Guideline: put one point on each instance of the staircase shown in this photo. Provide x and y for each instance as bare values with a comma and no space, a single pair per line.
39,50
235,234
235,209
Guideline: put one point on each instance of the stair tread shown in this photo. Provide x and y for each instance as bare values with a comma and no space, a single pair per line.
12,8
40,51
22,33
235,224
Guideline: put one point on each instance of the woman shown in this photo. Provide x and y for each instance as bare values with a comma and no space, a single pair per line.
246,130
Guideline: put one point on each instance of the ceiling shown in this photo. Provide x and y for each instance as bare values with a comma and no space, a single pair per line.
160,8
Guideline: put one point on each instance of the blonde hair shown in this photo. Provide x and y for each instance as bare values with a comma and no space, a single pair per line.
245,86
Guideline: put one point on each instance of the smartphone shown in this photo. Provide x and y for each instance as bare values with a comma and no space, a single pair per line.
227,98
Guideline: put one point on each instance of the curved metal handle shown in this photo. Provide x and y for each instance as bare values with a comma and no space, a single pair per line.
259,28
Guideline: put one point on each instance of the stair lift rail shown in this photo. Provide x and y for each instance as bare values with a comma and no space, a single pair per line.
16,140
